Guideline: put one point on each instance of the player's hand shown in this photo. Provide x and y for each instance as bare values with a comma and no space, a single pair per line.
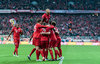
7,38
29,41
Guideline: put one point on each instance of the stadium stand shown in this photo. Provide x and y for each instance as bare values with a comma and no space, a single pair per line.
52,4
82,25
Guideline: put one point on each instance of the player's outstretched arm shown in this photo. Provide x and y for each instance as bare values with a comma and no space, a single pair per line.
9,35
30,38
45,33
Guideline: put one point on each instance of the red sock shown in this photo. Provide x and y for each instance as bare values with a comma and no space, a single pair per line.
51,53
57,53
41,51
37,54
32,51
46,54
60,51
16,51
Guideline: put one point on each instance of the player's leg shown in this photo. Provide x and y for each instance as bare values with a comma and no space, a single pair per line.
33,50
14,51
37,52
37,44
55,49
29,56
17,46
56,53
51,53
46,50
46,53
41,50
16,42
59,46
50,50
60,50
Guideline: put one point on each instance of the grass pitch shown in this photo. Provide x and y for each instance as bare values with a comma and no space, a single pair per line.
72,55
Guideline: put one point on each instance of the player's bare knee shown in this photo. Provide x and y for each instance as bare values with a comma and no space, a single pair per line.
37,47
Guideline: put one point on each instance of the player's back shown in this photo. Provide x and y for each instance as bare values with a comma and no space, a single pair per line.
56,30
44,37
37,30
52,34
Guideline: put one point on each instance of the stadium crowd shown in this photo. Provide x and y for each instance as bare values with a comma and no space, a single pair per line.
51,4
82,25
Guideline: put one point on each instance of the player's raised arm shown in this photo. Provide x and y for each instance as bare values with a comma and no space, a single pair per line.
31,37
45,33
10,33
39,25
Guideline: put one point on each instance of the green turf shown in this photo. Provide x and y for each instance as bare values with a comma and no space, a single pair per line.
72,55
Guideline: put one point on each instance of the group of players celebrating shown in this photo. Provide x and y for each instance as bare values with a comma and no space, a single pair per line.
45,38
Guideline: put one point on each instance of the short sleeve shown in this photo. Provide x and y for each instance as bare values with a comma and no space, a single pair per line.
40,26
43,16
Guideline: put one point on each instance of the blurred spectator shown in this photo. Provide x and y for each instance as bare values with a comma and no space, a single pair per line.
81,24
52,4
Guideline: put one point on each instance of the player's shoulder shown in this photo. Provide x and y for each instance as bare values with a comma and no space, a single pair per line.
51,26
55,27
44,15
13,27
19,28
38,24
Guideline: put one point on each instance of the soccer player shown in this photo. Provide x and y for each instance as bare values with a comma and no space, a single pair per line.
46,16
17,31
45,41
36,38
58,39
53,41
33,50
58,43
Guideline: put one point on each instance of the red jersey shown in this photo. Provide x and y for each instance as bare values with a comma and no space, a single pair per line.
16,32
37,30
44,37
46,17
56,30
52,34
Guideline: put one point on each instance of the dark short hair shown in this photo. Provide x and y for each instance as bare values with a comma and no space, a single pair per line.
44,23
50,22
38,20
53,23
